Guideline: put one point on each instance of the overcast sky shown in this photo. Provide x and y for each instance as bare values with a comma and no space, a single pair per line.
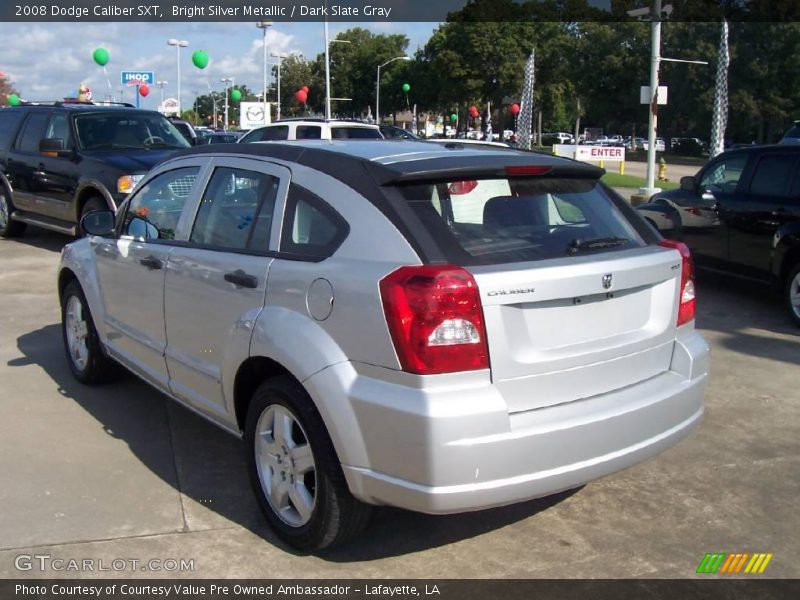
48,61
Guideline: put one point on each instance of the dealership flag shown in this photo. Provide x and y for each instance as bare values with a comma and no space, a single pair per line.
525,119
720,119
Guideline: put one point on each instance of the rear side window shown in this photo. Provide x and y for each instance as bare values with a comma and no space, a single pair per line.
496,221
312,229
268,134
33,133
236,210
308,132
361,133
9,120
772,175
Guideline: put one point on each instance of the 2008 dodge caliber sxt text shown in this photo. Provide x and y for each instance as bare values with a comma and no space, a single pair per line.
439,328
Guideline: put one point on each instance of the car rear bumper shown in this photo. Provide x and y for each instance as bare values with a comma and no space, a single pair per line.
454,449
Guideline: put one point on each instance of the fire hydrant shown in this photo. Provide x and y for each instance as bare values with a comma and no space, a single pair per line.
662,170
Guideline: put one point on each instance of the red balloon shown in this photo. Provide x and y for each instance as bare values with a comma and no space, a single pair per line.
473,109
515,109
305,89
144,90
301,96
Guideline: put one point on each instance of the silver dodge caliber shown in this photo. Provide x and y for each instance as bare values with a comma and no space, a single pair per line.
441,328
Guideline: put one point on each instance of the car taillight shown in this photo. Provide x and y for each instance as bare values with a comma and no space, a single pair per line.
458,188
695,211
687,307
435,317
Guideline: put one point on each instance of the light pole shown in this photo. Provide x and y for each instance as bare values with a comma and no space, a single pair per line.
378,86
161,85
264,25
226,81
280,58
178,44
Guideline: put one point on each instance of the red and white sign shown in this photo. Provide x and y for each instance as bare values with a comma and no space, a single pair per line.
598,153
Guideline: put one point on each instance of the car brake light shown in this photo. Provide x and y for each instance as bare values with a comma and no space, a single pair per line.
527,170
687,307
458,188
435,318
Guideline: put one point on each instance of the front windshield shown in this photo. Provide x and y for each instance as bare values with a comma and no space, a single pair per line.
109,131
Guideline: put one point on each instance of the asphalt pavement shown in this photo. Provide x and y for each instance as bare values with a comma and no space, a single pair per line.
121,472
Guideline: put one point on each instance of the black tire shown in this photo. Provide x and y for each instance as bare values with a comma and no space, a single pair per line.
8,227
336,515
791,291
97,366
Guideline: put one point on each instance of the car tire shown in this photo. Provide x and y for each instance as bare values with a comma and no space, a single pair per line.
295,472
8,227
85,355
792,294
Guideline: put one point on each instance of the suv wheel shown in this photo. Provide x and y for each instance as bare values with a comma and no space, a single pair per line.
296,475
8,228
85,355
792,294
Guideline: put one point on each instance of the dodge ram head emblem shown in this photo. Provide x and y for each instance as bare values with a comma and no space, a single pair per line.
607,280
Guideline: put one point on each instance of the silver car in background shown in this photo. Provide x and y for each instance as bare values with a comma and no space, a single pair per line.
441,328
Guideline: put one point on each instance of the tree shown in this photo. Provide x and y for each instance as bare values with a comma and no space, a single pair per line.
6,89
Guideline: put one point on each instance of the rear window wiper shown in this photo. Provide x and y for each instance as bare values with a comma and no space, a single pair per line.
578,244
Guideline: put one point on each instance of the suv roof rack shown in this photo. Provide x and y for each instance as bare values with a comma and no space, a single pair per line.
74,103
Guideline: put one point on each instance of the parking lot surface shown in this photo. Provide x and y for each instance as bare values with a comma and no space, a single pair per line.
122,472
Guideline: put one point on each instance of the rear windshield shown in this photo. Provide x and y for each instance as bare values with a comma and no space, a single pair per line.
361,133
496,221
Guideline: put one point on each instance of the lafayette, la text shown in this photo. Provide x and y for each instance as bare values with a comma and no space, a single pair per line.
298,10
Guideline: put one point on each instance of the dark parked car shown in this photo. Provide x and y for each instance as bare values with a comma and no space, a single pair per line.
186,129
217,137
59,161
754,193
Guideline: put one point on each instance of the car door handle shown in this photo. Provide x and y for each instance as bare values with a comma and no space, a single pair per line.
241,279
151,262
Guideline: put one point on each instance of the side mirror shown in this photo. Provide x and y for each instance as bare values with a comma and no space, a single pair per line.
53,147
98,222
687,183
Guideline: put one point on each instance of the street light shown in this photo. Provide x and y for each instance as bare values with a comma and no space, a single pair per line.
226,81
280,58
264,25
378,86
178,44
161,85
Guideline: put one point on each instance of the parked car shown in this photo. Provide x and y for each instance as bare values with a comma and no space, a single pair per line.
224,137
392,132
438,328
753,194
187,130
792,135
59,161
661,146
664,217
550,139
312,129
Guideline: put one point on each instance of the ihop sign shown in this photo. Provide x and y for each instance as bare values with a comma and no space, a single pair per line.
137,78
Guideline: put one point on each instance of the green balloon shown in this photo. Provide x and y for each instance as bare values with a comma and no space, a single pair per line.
236,95
14,100
454,117
406,88
200,59
100,56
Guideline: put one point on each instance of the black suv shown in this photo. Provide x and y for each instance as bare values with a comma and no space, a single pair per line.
59,161
741,215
